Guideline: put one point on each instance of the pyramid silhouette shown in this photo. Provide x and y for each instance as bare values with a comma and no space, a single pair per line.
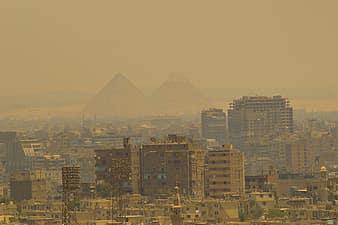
119,97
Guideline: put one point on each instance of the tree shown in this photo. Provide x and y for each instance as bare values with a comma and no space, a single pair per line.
104,189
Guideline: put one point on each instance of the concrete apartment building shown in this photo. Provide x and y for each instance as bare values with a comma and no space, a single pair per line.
253,118
214,125
85,158
224,172
26,185
119,166
175,162
300,158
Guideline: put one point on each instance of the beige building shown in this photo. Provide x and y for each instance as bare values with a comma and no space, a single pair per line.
300,157
210,211
224,172
265,200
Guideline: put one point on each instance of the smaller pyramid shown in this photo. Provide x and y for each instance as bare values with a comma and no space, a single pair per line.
179,95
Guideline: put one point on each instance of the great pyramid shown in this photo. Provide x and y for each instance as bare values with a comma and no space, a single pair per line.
118,98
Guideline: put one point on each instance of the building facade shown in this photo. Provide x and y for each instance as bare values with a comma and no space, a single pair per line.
119,167
252,119
14,155
224,172
166,165
300,157
26,185
214,125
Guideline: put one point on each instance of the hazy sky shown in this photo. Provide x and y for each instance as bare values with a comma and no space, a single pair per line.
79,45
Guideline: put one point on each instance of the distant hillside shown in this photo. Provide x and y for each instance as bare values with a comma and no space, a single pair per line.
13,104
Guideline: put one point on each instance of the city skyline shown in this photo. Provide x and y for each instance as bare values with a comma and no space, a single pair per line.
169,112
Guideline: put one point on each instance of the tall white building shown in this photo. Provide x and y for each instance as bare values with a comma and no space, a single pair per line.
253,119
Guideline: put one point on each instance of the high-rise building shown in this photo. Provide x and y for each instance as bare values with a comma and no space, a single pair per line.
70,191
224,172
173,163
214,125
14,155
323,187
3,160
253,119
335,135
119,167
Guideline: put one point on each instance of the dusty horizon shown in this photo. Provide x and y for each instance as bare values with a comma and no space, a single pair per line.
74,104
77,46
